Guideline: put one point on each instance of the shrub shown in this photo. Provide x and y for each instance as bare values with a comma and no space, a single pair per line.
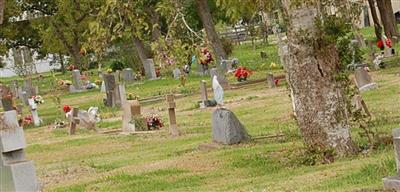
117,65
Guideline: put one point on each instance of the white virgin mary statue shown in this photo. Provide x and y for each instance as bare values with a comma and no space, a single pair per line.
218,91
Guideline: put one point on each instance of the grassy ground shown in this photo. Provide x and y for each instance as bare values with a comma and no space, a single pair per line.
90,161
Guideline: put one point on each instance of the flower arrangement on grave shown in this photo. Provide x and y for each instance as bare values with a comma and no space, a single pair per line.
63,83
242,73
58,124
158,72
67,108
206,57
109,70
27,120
98,82
38,99
72,67
154,123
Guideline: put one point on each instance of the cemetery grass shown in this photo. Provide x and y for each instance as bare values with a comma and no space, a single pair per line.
90,161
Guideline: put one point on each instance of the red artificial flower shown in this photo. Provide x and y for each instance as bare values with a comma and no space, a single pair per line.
66,108
388,43
158,72
242,72
380,44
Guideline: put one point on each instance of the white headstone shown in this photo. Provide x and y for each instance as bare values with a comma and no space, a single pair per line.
35,115
177,73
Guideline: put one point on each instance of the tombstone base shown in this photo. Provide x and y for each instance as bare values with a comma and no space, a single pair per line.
368,87
72,89
19,176
391,183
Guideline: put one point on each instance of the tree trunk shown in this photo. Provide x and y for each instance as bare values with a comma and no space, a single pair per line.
141,50
320,103
2,7
377,25
388,20
203,11
73,49
155,25
61,57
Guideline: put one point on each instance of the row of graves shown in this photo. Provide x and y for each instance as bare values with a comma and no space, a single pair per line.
16,172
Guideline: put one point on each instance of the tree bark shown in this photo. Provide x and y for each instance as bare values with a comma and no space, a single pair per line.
140,49
319,99
377,25
388,19
72,48
61,57
2,7
203,10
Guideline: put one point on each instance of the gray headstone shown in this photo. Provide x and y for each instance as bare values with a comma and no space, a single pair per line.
177,73
149,69
14,88
226,128
128,75
28,88
363,80
203,94
393,183
76,79
117,76
201,69
127,126
110,85
16,173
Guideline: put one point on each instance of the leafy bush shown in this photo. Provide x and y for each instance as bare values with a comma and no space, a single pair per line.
117,65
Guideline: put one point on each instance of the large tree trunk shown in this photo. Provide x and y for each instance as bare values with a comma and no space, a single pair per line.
203,10
141,49
2,6
72,48
388,19
61,57
320,103
377,25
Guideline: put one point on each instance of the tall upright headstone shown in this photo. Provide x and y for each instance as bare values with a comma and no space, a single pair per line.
74,121
117,76
14,88
271,80
201,69
393,183
203,94
177,73
173,129
16,173
76,86
127,125
128,75
28,88
112,92
149,69
363,80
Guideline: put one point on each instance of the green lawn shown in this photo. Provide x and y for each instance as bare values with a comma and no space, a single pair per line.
90,161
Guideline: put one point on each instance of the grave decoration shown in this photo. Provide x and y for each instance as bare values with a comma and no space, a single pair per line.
86,119
242,73
33,108
229,65
154,123
218,91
